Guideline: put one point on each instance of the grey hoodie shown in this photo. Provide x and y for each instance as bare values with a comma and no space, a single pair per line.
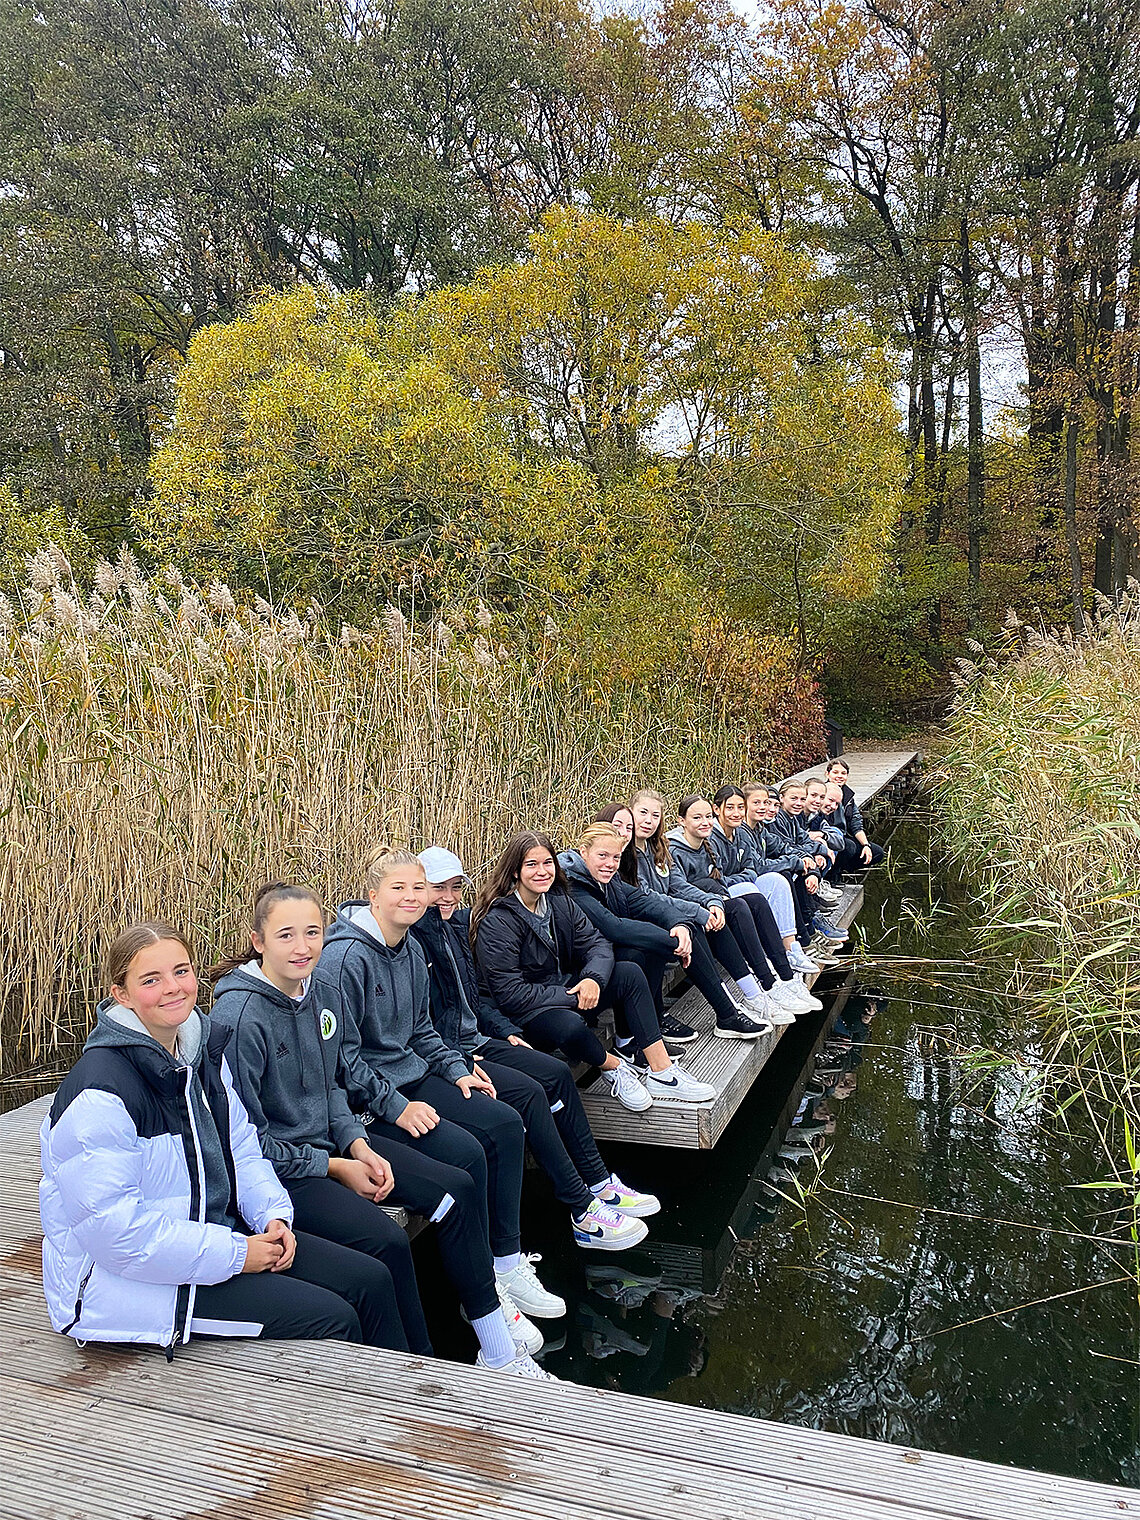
285,1056
689,903
381,996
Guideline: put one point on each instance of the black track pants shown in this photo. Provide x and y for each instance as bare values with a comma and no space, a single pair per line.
329,1293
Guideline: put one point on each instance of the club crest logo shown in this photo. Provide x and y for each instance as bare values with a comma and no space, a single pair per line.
328,1023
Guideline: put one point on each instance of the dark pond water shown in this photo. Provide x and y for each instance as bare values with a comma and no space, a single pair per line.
879,1310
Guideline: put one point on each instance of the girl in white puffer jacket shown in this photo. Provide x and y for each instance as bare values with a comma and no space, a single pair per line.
161,1216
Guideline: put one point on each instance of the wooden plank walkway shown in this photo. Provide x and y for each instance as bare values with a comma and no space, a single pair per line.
731,1066
283,1430
872,771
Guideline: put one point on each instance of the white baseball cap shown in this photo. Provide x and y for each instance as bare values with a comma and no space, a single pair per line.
441,865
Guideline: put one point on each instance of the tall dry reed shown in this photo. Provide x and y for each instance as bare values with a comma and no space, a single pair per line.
1042,800
164,751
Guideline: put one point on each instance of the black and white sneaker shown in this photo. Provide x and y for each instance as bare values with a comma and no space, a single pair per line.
675,1032
739,1026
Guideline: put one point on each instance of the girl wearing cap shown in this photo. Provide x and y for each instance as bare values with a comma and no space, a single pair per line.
606,1215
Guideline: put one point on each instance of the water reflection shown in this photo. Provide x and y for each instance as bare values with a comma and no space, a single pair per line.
881,1307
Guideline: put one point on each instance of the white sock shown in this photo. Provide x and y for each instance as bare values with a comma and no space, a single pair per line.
598,1188
748,985
505,1264
495,1340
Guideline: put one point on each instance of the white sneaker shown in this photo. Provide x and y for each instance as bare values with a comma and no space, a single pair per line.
627,1200
676,1083
810,1001
526,1336
627,1088
801,962
793,996
604,1229
523,1365
527,1293
829,894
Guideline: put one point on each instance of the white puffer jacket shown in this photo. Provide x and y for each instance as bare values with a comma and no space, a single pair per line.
129,1157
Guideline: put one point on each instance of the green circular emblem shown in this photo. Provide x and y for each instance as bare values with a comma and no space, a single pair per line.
328,1023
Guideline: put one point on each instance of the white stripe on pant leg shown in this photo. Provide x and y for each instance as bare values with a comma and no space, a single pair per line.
443,1208
225,1327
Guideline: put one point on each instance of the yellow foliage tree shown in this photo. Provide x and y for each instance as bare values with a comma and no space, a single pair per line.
631,424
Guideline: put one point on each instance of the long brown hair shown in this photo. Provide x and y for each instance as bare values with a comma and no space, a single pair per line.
138,937
682,808
268,896
627,866
504,875
657,843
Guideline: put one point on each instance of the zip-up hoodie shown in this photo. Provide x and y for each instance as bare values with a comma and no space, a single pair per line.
790,830
772,852
821,823
381,997
688,902
286,1056
464,1017
624,914
148,1160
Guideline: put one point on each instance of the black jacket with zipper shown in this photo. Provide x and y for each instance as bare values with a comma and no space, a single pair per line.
523,972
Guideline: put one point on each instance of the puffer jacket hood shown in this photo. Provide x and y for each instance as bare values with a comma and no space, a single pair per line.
147,1158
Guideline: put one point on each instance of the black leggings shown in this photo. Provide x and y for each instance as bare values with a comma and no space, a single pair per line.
483,1137
557,1082
325,1208
449,1198
329,1293
701,971
850,858
529,1100
754,909
627,992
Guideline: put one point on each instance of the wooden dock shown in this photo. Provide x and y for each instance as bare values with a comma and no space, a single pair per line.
873,773
323,1431
731,1066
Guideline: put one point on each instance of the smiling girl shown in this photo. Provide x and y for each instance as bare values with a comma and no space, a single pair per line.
708,859
287,1053
415,1087
161,1216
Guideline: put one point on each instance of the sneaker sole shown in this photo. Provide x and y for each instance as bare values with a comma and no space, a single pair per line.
681,1039
738,1034
608,1243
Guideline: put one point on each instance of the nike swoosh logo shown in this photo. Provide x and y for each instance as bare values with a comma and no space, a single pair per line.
594,1233
661,1082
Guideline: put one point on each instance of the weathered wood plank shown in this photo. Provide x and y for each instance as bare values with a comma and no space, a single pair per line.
869,771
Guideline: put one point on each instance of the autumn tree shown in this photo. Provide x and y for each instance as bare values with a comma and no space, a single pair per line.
633,424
